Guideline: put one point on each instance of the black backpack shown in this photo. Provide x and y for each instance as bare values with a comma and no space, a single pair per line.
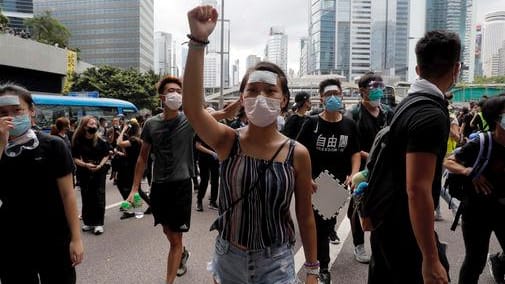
460,185
378,198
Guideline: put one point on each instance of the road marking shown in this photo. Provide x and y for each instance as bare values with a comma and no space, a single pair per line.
113,205
342,232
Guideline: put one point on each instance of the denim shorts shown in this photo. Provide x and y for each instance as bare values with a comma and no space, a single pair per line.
231,264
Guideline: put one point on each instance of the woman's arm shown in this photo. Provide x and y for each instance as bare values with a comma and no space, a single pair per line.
67,193
202,21
303,205
203,149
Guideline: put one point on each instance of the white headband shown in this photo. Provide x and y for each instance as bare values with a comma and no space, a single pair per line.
9,100
262,76
331,88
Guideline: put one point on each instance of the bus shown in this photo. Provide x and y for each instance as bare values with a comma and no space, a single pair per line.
50,107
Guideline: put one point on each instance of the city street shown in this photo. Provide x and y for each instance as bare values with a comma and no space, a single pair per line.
133,251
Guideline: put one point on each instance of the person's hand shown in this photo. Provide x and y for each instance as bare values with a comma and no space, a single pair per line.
5,125
215,156
202,21
434,272
314,186
76,252
231,109
482,185
348,180
311,279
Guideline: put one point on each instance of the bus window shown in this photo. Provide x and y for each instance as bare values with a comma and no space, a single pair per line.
98,111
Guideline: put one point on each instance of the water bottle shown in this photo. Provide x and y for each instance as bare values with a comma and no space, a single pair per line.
137,204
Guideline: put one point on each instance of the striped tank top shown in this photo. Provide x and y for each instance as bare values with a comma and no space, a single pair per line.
262,218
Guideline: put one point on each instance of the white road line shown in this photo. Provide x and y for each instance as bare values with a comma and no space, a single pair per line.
113,205
342,232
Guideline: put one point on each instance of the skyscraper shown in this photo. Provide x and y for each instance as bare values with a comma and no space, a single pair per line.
360,38
304,56
478,51
402,38
277,48
17,11
493,38
108,32
322,37
382,35
343,31
235,73
251,61
162,53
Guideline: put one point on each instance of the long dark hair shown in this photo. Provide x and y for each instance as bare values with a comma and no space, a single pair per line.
80,132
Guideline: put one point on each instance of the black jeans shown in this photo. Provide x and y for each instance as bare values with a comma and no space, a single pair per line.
358,236
480,218
208,167
396,258
323,229
93,197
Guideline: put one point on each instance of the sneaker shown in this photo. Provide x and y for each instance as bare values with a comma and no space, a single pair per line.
86,228
184,259
360,254
324,277
127,215
98,230
497,267
334,239
213,205
199,206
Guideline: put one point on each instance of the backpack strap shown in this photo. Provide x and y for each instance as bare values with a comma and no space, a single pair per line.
485,146
414,100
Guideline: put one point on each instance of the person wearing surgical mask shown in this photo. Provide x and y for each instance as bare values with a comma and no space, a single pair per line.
91,154
38,208
261,170
333,144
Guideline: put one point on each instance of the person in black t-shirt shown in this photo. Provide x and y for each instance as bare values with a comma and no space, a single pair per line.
209,167
130,147
40,240
405,247
332,141
60,129
295,121
90,154
484,209
370,117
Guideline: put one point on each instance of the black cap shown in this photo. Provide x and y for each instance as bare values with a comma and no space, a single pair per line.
301,98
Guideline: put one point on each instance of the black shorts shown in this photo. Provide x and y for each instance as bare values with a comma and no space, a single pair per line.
171,204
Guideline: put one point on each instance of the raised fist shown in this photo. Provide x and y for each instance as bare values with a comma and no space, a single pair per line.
202,21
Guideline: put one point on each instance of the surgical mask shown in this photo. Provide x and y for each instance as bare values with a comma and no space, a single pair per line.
262,111
333,104
91,130
21,124
173,100
375,94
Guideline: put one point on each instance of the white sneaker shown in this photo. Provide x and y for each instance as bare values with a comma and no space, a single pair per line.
98,230
86,228
360,254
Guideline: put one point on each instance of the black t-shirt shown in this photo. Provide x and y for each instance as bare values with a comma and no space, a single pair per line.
293,125
467,119
331,145
423,128
89,153
495,169
200,153
32,215
126,167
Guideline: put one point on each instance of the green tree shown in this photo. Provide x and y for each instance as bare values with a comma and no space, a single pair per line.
490,80
111,82
4,21
46,29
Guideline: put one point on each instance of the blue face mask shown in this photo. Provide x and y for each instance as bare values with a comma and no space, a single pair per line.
375,94
21,124
333,104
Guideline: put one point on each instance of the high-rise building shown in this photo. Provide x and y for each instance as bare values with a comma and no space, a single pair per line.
17,11
457,16
184,57
211,72
322,37
235,73
304,56
251,61
501,60
492,40
382,35
277,48
360,38
478,51
343,31
402,39
108,32
163,53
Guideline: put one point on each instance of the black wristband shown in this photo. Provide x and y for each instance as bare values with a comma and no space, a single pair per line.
204,42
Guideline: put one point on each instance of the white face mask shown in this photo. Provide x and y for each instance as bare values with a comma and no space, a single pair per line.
262,111
173,100
374,103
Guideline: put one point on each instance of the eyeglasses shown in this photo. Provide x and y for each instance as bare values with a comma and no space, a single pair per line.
376,85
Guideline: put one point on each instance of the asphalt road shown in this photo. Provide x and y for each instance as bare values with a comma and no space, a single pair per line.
134,251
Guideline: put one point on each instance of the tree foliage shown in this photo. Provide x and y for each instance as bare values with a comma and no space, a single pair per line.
490,80
4,21
46,29
111,82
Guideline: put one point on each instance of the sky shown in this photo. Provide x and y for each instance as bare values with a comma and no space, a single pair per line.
251,20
